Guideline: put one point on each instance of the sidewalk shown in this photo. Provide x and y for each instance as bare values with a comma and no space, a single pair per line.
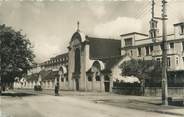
150,104
154,105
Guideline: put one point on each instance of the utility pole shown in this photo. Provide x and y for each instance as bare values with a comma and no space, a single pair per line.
164,50
164,55
153,9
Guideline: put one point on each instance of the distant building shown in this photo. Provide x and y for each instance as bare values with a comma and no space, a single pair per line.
55,62
34,69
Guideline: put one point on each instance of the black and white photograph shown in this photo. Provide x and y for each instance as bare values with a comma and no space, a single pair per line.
91,58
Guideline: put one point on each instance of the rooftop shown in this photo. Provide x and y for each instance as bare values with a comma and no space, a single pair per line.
181,23
132,33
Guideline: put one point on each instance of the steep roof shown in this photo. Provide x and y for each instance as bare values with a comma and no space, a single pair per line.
79,35
103,47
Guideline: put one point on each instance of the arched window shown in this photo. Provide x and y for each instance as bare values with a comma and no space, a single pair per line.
107,78
77,61
62,79
97,78
89,78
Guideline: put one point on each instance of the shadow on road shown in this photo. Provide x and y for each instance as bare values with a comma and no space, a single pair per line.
17,94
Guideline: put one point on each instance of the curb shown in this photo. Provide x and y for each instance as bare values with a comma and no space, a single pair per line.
158,111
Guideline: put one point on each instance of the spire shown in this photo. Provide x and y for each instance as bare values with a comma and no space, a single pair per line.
78,26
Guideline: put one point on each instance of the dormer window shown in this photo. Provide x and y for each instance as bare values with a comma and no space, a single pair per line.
128,42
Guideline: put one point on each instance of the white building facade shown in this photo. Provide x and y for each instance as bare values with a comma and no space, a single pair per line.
141,46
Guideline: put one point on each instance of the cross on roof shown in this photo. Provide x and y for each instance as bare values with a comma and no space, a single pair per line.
77,26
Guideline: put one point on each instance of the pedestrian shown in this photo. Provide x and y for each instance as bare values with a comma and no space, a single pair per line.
56,90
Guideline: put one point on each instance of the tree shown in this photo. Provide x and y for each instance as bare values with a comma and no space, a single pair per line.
142,69
16,55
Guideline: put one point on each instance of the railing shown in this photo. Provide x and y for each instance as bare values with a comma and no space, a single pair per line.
169,51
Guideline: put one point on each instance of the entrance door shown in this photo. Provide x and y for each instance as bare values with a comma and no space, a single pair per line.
77,83
107,83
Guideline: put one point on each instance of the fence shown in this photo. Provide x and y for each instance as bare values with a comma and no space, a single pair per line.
127,88
157,91
153,89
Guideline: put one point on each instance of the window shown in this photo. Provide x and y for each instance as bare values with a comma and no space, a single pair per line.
97,78
62,79
89,78
183,45
181,29
177,60
171,45
159,60
139,51
151,48
161,46
128,42
147,50
169,61
131,53
153,34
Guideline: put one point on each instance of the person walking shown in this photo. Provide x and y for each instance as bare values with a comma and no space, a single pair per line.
57,87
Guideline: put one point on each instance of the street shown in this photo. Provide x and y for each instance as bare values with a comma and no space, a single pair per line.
65,106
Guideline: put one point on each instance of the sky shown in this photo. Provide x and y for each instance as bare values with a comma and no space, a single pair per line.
49,24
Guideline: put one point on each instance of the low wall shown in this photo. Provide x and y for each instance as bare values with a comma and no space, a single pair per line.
127,90
157,91
149,91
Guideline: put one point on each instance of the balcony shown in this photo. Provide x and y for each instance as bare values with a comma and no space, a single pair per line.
169,52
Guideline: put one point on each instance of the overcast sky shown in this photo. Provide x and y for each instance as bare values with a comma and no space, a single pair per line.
50,24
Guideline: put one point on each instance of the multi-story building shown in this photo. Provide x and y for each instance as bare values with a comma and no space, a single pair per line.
141,46
55,62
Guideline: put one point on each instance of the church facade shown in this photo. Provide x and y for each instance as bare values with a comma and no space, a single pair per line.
86,65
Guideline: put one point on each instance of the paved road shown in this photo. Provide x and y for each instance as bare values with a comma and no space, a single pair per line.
64,106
